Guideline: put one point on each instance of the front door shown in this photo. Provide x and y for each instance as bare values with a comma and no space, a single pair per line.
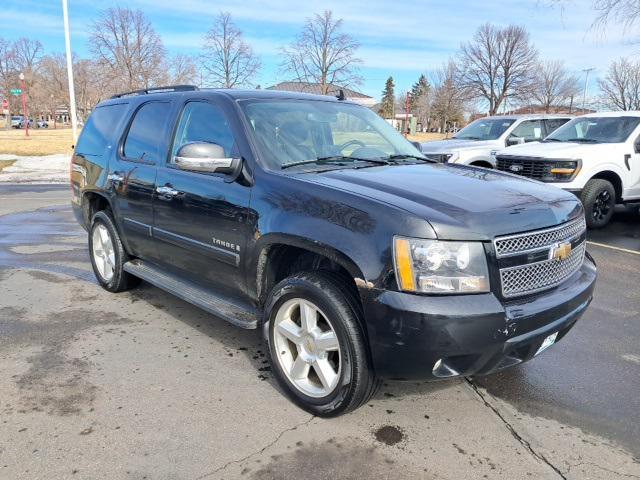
201,220
132,175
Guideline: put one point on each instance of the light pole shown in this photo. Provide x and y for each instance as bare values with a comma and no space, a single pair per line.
72,93
584,94
25,115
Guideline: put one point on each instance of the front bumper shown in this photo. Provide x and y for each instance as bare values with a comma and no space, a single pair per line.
430,337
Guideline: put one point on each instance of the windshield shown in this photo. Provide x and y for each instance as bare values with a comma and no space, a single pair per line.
485,129
595,130
301,132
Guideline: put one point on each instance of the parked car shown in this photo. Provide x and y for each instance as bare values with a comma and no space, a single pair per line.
16,121
22,123
42,124
313,220
474,144
596,156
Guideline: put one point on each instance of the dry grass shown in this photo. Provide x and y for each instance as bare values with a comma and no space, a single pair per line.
6,163
50,141
39,142
427,137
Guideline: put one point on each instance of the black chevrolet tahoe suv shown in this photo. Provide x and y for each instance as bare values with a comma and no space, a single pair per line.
311,218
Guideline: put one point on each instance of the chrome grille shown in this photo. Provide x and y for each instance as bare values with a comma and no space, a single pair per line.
538,240
534,277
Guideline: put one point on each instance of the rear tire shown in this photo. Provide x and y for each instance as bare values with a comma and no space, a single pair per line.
599,200
108,255
323,363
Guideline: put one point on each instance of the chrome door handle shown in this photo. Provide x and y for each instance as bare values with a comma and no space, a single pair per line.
114,177
167,191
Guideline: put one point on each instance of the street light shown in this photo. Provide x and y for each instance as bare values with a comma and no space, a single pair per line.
25,115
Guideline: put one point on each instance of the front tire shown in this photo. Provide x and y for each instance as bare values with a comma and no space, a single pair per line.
108,255
599,200
317,346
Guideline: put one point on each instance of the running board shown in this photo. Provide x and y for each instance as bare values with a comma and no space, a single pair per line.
238,315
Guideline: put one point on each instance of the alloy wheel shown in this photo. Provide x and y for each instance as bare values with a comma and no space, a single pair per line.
602,206
103,252
307,348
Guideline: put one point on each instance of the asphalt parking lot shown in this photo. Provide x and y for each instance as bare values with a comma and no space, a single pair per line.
142,385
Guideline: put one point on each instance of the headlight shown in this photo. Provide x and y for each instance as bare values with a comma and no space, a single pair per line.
562,171
434,266
453,157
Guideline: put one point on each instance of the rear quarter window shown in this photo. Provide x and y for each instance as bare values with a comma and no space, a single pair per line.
100,129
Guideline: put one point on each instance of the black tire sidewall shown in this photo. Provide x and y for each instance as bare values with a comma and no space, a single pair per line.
338,400
116,282
592,190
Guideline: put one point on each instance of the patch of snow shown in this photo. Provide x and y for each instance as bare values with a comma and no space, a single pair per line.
41,169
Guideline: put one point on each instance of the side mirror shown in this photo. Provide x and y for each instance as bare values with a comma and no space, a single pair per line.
206,158
636,146
417,145
514,141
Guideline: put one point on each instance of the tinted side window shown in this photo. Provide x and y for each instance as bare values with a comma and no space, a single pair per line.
531,130
99,129
144,138
204,122
555,123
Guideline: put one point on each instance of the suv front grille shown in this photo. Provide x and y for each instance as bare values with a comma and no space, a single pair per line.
526,166
534,277
517,244
527,278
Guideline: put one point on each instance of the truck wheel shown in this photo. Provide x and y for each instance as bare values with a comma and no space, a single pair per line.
107,255
599,200
317,347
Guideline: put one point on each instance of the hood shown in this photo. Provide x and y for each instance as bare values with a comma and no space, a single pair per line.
460,202
565,150
448,146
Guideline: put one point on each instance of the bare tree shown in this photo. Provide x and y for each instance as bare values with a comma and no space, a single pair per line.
27,54
323,55
128,48
625,12
182,70
228,61
621,86
553,85
498,64
448,98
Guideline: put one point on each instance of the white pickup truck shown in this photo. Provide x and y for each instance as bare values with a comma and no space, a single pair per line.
474,144
596,156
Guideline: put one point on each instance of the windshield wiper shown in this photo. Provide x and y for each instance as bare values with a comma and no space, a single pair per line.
583,140
334,159
401,156
551,140
467,138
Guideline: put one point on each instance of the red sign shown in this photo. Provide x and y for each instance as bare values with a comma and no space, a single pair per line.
5,104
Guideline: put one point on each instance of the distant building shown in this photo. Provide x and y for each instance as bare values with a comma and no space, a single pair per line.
334,90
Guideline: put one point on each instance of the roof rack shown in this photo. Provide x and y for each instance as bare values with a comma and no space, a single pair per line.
169,88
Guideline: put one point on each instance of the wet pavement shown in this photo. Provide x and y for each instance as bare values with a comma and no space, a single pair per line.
143,385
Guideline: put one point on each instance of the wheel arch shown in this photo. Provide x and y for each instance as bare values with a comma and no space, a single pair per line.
280,255
615,180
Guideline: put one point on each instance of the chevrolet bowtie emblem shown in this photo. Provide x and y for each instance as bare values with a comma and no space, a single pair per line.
560,251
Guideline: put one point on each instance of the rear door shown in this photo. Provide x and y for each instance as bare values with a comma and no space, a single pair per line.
201,226
132,174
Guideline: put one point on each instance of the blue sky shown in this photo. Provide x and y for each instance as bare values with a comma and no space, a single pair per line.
403,39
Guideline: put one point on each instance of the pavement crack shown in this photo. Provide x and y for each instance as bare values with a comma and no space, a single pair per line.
513,431
259,451
604,469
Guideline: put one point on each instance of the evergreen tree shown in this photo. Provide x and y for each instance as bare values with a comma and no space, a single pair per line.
419,92
388,99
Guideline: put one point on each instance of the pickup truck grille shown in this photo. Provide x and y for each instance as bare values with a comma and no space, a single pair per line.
526,166
439,157
527,278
